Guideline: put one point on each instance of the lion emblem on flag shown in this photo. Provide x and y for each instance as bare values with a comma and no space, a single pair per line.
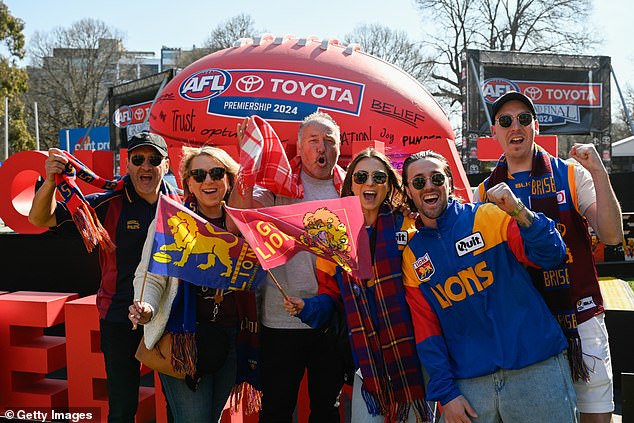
325,234
189,240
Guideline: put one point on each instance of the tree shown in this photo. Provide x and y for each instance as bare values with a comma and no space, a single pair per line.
394,47
221,37
13,80
620,126
226,33
522,25
70,73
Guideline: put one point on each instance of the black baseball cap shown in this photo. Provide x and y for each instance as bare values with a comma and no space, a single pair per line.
512,95
146,138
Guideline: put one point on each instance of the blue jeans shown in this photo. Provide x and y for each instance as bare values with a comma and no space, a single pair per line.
118,343
542,392
208,401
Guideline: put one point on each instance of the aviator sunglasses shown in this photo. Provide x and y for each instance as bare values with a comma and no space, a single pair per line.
139,159
437,179
524,119
361,176
215,173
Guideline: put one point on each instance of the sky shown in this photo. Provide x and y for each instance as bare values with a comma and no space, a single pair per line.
147,25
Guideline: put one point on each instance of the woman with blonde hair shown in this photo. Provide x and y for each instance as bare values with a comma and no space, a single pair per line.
224,359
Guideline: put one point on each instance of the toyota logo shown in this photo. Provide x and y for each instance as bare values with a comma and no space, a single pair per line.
139,114
249,84
533,93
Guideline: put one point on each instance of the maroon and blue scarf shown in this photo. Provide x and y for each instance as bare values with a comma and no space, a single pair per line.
562,301
84,216
386,350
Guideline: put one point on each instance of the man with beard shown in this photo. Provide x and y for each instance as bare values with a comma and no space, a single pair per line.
484,335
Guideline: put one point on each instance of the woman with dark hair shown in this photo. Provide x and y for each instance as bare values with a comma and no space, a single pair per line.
388,384
213,316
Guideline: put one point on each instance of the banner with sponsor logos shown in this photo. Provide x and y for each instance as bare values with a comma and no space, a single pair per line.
283,80
129,106
571,93
75,139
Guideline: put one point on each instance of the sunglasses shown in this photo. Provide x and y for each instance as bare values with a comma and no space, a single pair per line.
437,179
139,159
524,119
361,177
215,173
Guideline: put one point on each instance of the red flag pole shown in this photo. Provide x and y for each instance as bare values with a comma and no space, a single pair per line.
277,284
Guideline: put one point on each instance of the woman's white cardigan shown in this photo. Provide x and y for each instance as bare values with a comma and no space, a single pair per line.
159,292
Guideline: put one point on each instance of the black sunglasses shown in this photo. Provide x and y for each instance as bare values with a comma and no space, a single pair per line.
361,176
139,159
524,119
215,173
437,179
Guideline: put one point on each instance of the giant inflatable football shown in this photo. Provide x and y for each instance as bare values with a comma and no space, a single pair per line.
285,79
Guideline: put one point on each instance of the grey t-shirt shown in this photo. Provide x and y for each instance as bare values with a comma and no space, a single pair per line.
297,276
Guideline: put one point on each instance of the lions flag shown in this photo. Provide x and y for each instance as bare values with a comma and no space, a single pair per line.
332,229
188,247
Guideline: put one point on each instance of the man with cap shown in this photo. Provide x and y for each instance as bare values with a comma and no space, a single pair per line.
125,213
573,194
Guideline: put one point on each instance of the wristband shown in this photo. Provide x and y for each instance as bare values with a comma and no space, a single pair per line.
520,206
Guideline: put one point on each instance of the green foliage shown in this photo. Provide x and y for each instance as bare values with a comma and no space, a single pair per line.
11,32
13,81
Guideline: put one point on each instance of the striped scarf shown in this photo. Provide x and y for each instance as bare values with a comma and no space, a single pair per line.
385,347
84,216
560,301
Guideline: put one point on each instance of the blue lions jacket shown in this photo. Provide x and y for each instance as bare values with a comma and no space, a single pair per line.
473,303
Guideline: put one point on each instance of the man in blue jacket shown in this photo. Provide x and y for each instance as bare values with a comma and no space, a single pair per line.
491,347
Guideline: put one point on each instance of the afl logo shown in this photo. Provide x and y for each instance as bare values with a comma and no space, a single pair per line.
532,92
249,84
494,88
122,116
205,84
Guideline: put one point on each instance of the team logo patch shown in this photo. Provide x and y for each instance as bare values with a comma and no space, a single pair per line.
561,197
424,268
585,304
469,244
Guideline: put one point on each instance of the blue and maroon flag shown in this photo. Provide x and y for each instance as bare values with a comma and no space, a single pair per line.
188,247
332,229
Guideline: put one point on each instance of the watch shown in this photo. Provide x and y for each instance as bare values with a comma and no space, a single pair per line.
520,206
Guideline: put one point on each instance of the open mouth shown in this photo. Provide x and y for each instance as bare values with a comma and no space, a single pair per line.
321,160
516,140
369,196
431,199
209,190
